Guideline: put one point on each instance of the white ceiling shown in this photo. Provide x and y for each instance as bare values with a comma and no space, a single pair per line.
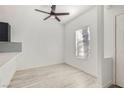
74,10
115,7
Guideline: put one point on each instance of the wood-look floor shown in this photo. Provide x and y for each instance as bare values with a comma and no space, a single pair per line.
55,76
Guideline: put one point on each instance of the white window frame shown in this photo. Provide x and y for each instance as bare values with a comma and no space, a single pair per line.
82,42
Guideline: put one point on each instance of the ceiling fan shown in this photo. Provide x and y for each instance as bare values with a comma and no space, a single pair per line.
53,13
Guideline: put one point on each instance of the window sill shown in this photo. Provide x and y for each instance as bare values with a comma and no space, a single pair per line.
81,57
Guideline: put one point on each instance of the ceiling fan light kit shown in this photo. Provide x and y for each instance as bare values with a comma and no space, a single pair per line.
52,13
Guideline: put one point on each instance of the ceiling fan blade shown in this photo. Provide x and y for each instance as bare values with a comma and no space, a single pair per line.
41,11
61,14
47,17
57,18
53,8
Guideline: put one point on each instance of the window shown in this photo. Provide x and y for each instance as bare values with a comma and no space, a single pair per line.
83,42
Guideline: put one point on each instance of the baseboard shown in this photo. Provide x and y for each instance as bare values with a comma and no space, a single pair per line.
108,84
90,73
31,67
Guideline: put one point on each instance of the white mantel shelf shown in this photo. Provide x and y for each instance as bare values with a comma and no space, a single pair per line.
7,47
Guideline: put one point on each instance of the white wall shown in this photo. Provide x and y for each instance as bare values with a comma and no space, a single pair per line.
1,13
42,40
88,18
107,72
109,32
109,28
